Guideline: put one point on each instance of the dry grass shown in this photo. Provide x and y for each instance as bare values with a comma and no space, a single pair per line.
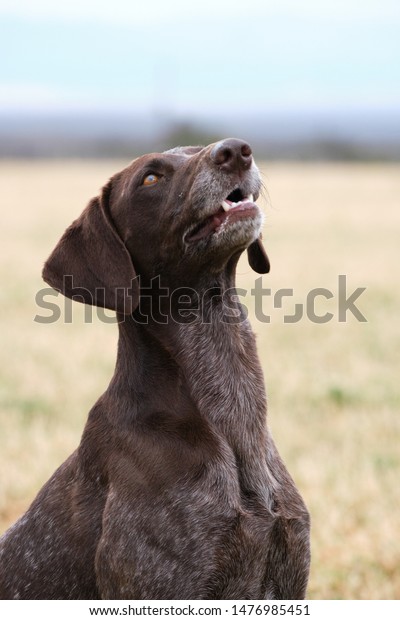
333,388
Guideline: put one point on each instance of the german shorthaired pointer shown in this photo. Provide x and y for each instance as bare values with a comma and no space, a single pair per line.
176,490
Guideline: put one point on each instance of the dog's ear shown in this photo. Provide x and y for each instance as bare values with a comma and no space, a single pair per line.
257,256
91,264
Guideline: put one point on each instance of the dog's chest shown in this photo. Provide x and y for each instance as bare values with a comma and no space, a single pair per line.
189,542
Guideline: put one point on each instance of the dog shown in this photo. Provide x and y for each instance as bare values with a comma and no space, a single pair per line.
176,490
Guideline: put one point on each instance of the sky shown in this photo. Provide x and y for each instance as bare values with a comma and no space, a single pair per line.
204,58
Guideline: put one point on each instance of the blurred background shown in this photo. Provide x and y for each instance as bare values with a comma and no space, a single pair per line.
85,86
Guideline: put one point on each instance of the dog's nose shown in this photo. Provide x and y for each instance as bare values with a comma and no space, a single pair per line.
232,155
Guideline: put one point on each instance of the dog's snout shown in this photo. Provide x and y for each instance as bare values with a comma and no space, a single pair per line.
232,155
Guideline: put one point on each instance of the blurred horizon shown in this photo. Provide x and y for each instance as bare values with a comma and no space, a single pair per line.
295,136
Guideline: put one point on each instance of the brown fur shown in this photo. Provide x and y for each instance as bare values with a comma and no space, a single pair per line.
176,490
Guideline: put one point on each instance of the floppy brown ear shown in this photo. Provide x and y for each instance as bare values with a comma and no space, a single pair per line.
257,256
91,263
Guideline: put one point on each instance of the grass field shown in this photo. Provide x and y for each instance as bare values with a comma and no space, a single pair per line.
334,388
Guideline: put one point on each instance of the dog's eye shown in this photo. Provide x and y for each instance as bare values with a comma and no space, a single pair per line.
150,179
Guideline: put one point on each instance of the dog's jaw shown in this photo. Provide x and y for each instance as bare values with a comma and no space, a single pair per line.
226,213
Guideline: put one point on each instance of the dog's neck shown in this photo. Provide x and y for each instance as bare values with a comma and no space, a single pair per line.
207,352
203,334
221,368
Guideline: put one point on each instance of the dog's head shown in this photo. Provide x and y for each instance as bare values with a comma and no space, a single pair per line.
185,211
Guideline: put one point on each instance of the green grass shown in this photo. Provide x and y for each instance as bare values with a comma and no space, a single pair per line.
333,388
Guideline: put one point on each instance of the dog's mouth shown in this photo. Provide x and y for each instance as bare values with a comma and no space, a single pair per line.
233,208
